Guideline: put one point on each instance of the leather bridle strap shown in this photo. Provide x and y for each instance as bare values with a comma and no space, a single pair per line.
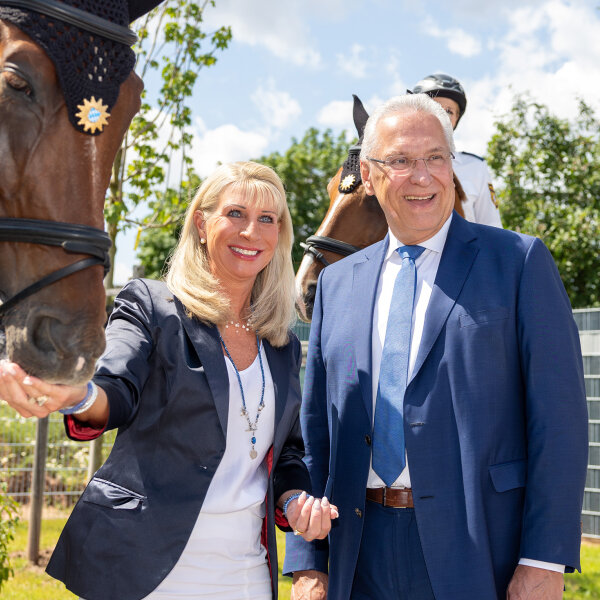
329,245
84,263
72,238
80,18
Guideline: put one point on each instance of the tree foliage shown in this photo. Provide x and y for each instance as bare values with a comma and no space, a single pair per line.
153,165
550,188
305,169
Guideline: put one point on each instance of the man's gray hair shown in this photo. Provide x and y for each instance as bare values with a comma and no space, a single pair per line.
409,103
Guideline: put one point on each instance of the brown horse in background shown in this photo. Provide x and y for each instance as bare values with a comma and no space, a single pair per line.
53,181
353,221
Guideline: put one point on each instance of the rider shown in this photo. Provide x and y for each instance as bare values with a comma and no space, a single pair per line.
481,205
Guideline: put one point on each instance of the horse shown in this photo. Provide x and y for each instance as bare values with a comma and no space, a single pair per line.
53,180
354,220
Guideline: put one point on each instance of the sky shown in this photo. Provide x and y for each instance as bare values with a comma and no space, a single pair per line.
294,64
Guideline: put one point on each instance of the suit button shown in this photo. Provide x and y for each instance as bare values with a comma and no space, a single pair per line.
358,512
368,439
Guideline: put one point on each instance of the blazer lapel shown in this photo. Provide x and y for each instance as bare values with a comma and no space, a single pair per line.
457,259
364,289
205,340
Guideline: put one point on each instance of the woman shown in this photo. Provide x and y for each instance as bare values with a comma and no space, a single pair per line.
201,376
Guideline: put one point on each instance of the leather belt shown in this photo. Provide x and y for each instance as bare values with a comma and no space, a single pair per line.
394,497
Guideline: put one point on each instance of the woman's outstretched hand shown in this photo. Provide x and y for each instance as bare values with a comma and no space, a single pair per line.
32,397
311,517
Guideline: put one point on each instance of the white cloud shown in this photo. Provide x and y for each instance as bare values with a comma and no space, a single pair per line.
278,108
225,143
458,41
280,27
352,62
337,115
549,52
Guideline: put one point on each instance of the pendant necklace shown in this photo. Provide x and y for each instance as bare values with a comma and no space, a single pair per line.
252,427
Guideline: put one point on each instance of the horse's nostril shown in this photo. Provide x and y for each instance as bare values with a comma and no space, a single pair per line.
42,334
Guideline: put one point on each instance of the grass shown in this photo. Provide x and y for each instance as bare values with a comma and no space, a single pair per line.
32,583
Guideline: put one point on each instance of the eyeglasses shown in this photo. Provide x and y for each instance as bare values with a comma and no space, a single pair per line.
402,164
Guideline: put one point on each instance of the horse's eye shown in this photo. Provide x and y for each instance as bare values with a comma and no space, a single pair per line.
16,82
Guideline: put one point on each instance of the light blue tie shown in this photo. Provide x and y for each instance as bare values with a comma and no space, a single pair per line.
388,431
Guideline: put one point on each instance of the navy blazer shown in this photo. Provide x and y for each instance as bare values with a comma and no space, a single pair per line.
168,390
495,414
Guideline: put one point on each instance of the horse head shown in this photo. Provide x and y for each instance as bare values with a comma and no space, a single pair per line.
353,221
56,166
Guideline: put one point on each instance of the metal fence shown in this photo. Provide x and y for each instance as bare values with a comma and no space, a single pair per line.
67,462
588,321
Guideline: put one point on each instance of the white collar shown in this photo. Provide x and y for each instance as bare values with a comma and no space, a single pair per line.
435,243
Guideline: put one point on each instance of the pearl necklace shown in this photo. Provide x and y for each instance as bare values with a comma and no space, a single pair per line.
239,325
252,427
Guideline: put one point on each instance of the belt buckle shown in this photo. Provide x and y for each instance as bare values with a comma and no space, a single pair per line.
384,501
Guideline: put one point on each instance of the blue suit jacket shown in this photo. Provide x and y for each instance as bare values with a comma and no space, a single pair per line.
495,415
168,389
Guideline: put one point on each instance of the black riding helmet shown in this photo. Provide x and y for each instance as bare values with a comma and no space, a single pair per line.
442,85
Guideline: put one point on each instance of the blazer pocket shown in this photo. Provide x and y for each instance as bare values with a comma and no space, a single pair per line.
109,494
509,475
483,316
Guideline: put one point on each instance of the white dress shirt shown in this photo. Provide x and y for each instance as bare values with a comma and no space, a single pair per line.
427,266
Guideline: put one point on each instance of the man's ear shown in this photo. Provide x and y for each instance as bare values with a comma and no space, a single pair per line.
365,174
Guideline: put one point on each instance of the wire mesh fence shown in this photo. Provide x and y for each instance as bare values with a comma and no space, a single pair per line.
66,464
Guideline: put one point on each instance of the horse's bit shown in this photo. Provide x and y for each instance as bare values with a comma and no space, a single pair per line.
75,239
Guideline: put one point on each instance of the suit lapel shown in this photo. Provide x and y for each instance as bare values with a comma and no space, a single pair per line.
205,340
364,289
457,259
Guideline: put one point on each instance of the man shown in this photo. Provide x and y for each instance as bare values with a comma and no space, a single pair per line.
487,495
472,172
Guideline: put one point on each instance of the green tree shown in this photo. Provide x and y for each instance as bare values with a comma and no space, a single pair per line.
305,169
173,48
157,242
550,188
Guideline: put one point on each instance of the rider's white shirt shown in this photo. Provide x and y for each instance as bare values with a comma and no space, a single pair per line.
474,176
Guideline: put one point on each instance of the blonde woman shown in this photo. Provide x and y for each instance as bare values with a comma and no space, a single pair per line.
200,375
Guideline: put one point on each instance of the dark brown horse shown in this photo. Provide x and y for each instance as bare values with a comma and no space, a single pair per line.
353,221
53,180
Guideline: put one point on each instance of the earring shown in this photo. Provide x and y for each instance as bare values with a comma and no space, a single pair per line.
202,241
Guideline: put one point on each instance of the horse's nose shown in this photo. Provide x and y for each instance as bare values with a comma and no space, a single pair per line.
305,299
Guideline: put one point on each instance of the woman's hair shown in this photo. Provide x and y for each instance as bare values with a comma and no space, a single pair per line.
189,276
409,103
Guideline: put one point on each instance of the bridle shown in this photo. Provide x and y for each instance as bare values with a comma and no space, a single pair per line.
74,239
328,244
350,174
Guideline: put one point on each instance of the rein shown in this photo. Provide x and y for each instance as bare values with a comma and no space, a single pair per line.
74,239
328,244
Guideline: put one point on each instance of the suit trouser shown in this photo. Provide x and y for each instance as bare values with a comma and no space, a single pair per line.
390,563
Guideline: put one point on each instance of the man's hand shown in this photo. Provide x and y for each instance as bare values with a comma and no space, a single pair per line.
309,585
531,583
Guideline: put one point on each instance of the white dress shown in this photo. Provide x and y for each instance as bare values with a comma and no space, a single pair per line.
223,558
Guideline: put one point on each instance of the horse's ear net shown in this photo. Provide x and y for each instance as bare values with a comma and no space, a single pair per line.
88,65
